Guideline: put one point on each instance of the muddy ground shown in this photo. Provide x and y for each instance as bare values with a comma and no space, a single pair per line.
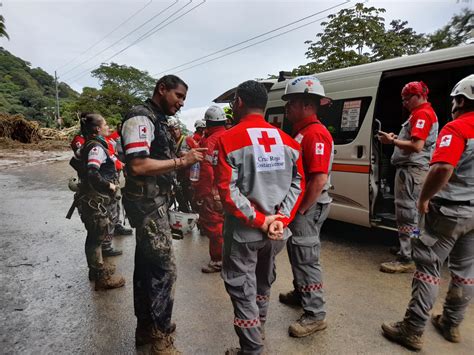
48,305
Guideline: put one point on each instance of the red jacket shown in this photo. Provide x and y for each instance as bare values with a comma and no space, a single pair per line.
259,172
206,181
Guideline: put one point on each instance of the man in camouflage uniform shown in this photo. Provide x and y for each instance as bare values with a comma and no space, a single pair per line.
151,164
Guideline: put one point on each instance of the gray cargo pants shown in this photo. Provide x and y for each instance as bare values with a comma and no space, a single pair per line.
304,248
408,183
444,236
248,270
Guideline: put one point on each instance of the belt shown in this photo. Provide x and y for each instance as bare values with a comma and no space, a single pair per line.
445,202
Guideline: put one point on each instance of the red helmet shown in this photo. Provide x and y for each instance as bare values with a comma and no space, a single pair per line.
415,88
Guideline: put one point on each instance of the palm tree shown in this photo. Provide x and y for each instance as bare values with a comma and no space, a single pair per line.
3,32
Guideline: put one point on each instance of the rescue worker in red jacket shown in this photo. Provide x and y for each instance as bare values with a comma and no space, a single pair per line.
200,126
412,152
206,195
260,181
304,96
447,200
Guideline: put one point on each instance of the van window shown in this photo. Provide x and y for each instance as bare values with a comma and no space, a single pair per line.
344,117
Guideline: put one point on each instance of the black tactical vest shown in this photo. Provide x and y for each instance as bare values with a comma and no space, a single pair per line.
107,170
162,148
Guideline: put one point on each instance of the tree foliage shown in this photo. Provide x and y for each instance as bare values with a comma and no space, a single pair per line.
29,91
459,30
122,87
356,36
3,30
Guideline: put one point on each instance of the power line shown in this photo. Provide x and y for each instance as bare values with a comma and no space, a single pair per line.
144,36
251,39
122,38
253,44
107,35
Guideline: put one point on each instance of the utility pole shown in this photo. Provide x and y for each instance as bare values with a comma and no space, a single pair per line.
58,120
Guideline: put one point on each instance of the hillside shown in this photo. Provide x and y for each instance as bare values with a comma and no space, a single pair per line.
29,91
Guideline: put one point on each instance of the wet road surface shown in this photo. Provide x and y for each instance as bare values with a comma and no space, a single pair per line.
48,305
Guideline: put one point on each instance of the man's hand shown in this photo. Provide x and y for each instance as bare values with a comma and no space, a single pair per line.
275,230
193,156
269,220
423,206
386,138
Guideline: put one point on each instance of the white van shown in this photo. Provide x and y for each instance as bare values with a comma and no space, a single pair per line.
367,98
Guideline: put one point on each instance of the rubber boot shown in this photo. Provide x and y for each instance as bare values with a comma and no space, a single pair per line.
106,280
403,334
162,343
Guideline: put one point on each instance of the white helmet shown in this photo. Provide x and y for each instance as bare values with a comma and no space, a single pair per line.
465,87
199,124
305,85
215,114
173,122
73,184
181,222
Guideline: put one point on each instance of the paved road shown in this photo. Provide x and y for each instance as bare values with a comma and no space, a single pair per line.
49,306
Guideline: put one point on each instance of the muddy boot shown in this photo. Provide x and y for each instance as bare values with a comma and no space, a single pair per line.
213,266
306,325
403,334
93,272
106,280
143,333
398,266
162,343
291,298
449,331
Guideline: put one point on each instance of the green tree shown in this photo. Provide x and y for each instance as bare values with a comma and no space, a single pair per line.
129,80
356,36
3,31
459,30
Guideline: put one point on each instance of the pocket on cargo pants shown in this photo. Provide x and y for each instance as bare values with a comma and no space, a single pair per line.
304,249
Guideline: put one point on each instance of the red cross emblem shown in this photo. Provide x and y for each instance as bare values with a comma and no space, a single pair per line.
309,83
177,225
143,129
319,146
445,139
266,141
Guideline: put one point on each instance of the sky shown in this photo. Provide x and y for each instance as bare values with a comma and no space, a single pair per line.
74,37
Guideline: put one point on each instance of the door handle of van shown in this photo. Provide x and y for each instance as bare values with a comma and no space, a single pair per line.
360,151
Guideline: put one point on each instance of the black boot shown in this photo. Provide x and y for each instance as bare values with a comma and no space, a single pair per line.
108,250
121,230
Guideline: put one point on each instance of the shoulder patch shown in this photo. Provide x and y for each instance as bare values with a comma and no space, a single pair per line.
445,140
420,123
319,148
299,138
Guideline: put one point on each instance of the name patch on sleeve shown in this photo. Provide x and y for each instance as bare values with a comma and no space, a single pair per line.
445,140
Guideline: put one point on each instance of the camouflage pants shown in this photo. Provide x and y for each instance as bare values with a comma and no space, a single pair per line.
446,235
248,270
99,224
408,183
304,248
155,271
